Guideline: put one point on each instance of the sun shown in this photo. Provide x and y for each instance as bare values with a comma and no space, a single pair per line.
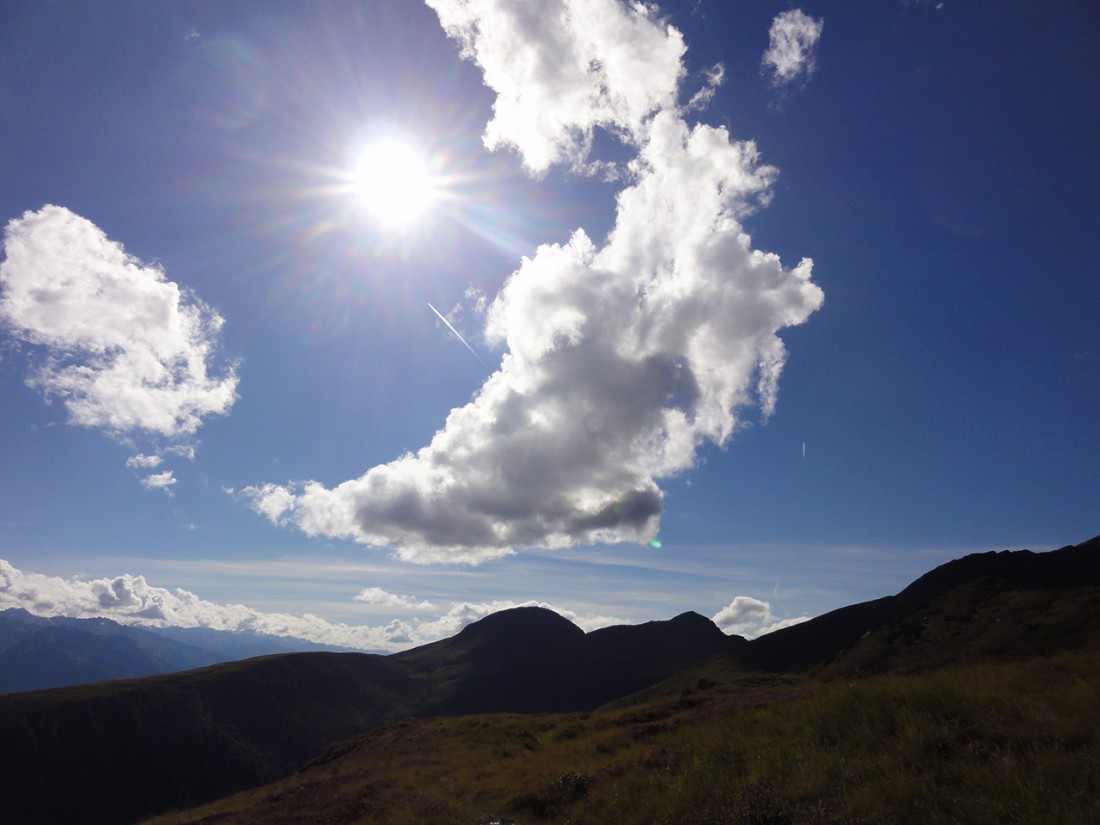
393,182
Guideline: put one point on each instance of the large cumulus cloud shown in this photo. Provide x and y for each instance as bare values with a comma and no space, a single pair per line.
621,358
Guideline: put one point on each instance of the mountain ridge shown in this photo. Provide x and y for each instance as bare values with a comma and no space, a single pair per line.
41,652
815,643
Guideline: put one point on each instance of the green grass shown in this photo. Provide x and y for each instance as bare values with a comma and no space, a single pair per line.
977,744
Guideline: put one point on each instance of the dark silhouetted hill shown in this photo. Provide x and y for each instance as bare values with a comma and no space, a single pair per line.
525,659
974,590
647,653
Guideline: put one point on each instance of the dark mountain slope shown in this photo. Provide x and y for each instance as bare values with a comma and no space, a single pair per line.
116,751
821,641
983,744
530,659
648,653
986,619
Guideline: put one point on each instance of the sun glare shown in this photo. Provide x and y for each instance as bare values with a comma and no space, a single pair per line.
393,183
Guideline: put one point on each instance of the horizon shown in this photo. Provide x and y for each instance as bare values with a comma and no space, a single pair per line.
365,321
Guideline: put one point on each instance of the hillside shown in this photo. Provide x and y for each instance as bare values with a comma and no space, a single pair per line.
181,739
184,738
980,744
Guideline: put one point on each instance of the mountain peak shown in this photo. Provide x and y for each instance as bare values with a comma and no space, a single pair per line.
530,619
520,629
693,620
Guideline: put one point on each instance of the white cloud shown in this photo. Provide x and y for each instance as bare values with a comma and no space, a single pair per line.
160,481
712,79
382,598
621,360
749,617
122,347
132,600
560,68
792,47
268,500
143,461
184,451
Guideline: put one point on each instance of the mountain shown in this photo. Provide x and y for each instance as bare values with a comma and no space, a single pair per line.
183,738
117,751
530,659
38,652
1003,596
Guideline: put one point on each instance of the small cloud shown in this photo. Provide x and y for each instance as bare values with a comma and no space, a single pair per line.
382,598
142,461
792,47
479,299
749,617
160,481
184,451
712,79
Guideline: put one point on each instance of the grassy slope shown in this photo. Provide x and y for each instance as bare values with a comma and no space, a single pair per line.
1017,742
978,707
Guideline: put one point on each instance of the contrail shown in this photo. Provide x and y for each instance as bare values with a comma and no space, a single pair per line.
455,331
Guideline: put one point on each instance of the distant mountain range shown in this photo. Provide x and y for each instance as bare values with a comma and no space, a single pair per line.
115,752
38,652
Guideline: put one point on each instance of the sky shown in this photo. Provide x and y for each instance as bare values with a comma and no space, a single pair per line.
358,321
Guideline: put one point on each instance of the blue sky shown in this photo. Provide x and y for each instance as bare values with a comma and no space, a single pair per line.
227,399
